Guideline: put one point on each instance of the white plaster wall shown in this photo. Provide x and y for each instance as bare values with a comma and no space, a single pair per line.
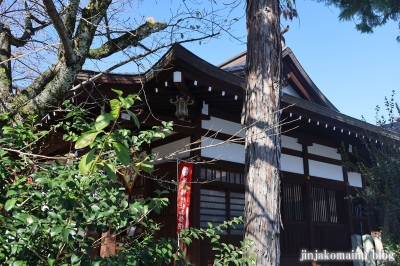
173,146
354,179
224,126
289,90
292,164
325,170
231,152
324,151
291,143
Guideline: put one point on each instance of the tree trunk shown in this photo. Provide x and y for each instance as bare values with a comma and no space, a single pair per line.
5,68
261,117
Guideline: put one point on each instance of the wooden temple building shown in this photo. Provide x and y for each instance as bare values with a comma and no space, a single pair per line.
315,213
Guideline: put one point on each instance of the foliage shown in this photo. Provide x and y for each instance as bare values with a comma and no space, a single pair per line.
378,161
367,14
3,77
226,253
45,44
50,207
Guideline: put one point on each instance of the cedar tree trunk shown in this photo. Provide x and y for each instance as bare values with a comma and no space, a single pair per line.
261,117
5,68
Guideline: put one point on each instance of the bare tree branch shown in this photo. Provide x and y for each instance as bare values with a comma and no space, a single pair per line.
70,17
70,56
130,59
130,38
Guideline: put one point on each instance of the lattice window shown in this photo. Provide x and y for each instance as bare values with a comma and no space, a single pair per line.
236,209
292,202
222,176
327,205
217,206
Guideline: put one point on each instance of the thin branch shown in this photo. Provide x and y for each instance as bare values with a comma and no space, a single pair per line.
29,31
34,155
70,56
108,34
40,257
32,52
130,38
134,58
231,139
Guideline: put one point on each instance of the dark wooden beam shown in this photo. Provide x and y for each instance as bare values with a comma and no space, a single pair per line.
168,139
221,136
183,88
292,76
223,115
309,208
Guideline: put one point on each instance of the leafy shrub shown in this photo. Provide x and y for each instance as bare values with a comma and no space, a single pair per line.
49,206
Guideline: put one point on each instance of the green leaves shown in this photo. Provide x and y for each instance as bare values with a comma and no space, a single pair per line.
122,153
115,108
126,102
86,162
147,167
86,139
95,208
134,117
117,92
75,260
110,169
56,230
68,200
11,193
10,204
103,121
65,232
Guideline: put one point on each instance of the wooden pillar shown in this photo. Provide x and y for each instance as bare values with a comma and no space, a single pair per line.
107,244
348,202
305,144
194,248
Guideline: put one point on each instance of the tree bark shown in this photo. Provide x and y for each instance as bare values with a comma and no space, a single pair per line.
53,85
5,68
261,117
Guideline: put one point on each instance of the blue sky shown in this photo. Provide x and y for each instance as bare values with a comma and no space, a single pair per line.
355,71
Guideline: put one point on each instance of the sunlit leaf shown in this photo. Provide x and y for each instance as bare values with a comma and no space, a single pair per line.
122,153
147,167
135,119
9,204
126,102
56,230
117,92
86,139
110,169
103,121
86,162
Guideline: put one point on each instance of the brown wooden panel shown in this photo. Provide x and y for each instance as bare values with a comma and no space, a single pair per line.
294,238
332,238
168,228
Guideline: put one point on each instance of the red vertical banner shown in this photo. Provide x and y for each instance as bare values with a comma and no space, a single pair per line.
184,185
